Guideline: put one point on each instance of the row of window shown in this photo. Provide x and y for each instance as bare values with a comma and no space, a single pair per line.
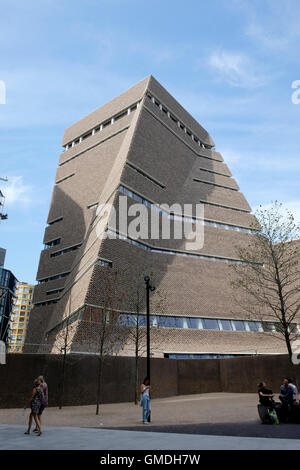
208,223
22,307
47,302
201,356
24,296
179,123
59,219
54,291
19,316
165,251
17,325
53,278
102,126
103,262
51,243
201,323
66,250
25,290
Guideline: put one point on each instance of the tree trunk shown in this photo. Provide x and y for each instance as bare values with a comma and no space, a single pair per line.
136,395
292,365
99,383
61,398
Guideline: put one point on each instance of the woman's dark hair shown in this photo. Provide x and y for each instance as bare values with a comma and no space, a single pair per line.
261,384
145,380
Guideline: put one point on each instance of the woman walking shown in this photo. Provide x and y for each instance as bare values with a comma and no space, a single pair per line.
145,399
35,405
44,389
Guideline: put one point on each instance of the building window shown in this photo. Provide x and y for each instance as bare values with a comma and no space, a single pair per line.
210,324
52,243
66,250
52,292
255,326
59,219
180,125
209,223
195,323
103,262
226,325
239,325
53,278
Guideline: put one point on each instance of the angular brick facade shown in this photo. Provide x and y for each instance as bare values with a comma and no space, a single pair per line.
146,142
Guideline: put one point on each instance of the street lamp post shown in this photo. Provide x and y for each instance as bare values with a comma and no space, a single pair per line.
148,289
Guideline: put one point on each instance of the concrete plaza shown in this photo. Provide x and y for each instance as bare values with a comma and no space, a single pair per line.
206,421
74,438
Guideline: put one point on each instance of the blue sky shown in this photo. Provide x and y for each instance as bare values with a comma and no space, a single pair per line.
230,63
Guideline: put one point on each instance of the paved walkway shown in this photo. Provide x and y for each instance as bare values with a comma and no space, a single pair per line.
70,438
184,409
205,421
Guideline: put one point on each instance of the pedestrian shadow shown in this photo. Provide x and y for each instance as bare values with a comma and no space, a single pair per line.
237,429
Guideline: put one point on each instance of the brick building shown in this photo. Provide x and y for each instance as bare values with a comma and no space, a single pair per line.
144,145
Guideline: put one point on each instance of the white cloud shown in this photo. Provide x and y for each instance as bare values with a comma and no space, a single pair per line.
16,192
236,69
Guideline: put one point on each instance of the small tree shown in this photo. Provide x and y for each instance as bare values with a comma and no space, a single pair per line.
136,331
62,344
100,332
269,278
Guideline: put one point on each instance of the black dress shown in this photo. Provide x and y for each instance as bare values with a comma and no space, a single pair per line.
36,402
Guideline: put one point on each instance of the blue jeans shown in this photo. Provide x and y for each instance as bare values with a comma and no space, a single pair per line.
146,407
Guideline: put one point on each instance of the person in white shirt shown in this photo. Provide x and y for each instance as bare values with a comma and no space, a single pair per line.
145,399
294,389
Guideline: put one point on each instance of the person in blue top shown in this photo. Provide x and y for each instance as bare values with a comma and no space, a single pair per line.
286,393
287,398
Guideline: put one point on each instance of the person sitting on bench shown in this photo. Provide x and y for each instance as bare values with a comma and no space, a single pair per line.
287,399
265,395
286,393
